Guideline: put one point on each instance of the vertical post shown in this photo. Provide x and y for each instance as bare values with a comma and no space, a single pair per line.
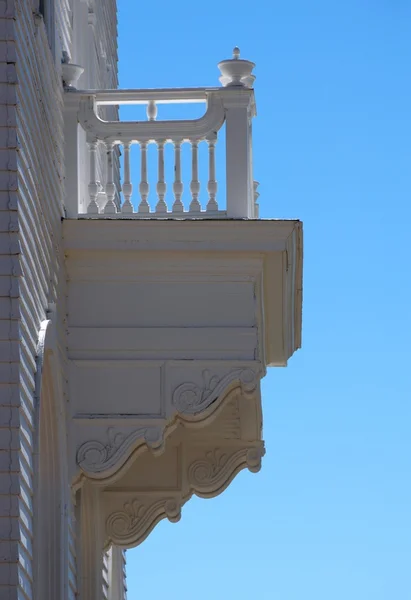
195,205
152,110
91,539
110,207
240,203
212,184
127,188
143,207
76,197
116,574
256,205
161,206
178,185
93,185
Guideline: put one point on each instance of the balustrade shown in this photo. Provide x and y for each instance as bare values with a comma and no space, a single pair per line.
231,106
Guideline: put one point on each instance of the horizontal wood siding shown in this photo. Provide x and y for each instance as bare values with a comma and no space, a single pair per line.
15,555
40,180
32,273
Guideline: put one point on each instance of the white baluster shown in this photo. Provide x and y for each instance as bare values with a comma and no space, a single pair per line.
152,110
256,205
127,188
177,185
161,206
195,205
212,184
143,207
93,207
110,207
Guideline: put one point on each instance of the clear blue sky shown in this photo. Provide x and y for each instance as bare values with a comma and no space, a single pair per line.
329,515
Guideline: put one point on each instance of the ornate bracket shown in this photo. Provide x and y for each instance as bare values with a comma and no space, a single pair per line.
206,477
192,404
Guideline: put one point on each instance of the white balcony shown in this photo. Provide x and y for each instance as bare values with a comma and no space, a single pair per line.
178,299
94,145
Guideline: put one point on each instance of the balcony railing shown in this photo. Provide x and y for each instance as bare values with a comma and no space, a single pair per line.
94,144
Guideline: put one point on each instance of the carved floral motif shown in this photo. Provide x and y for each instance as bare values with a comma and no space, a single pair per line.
207,477
213,473
190,398
131,525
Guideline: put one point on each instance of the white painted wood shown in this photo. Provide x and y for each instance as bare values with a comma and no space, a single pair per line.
212,205
37,184
51,485
93,187
177,185
195,206
91,543
161,206
217,343
75,144
233,105
32,189
239,201
159,96
256,196
152,485
143,207
116,590
163,328
110,207
127,187
152,110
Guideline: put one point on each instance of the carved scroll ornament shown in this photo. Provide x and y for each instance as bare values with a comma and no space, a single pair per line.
95,457
190,398
130,526
207,477
212,474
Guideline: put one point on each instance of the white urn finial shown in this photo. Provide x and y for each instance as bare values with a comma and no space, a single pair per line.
236,71
70,71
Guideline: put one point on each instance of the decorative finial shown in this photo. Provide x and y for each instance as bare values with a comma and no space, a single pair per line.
70,71
236,72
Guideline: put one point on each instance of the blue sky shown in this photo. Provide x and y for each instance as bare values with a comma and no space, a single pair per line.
329,515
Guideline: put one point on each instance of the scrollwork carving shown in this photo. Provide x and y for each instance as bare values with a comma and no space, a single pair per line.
130,526
212,474
95,457
190,398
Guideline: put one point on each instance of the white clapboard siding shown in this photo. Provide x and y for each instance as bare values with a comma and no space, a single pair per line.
40,178
15,459
32,277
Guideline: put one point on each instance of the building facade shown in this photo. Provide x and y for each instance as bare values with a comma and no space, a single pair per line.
136,321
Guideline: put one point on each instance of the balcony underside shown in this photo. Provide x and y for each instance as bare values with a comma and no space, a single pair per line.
171,325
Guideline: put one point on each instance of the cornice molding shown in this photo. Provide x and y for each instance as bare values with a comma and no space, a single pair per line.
167,235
